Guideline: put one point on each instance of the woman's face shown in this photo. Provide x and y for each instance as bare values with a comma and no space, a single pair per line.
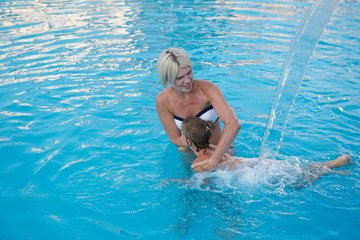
184,79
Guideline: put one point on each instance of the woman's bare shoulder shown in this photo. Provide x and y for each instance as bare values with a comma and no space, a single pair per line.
162,96
205,85
204,82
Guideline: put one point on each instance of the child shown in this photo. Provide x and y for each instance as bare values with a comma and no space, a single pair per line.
197,132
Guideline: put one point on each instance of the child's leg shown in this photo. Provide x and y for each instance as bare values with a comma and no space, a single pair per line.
316,170
341,161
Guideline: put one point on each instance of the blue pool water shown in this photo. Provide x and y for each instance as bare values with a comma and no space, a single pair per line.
84,156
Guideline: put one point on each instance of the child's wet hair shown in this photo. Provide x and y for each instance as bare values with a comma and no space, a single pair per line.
198,131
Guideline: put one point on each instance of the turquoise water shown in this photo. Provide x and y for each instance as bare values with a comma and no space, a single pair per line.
83,154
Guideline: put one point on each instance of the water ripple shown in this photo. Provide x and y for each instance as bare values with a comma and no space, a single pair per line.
82,148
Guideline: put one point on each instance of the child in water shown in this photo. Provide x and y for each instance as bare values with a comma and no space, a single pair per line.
197,132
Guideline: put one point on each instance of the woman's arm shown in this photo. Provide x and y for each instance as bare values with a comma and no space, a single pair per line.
231,126
167,120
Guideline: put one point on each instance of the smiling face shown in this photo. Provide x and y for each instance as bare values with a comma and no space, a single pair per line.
169,62
183,81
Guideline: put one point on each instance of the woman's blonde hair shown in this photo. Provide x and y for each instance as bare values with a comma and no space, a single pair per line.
198,131
169,62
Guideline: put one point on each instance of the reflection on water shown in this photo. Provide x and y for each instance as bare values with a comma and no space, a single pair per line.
63,38
83,153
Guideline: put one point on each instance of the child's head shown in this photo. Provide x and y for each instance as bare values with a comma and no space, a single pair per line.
198,131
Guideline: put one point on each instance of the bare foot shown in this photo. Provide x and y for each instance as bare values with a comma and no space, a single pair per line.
341,161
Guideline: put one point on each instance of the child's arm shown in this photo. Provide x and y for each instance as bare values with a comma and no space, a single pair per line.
165,182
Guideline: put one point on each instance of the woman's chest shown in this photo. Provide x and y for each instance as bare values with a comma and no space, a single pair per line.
190,106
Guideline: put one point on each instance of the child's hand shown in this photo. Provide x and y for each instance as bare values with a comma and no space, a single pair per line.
184,149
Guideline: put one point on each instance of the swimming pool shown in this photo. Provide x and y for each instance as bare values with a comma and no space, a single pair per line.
84,156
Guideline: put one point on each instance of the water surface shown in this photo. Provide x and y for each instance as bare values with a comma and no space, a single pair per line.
83,154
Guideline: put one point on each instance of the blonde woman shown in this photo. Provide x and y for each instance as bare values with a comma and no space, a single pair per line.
184,96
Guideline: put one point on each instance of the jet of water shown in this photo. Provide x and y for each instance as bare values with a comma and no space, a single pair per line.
301,49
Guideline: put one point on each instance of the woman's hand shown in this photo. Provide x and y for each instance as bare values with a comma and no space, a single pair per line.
201,165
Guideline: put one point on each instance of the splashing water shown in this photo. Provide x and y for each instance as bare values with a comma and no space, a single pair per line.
268,175
301,49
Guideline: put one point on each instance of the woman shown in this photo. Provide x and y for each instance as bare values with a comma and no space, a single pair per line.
192,97
197,132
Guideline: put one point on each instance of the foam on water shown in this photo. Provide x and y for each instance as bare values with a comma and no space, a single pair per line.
273,175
